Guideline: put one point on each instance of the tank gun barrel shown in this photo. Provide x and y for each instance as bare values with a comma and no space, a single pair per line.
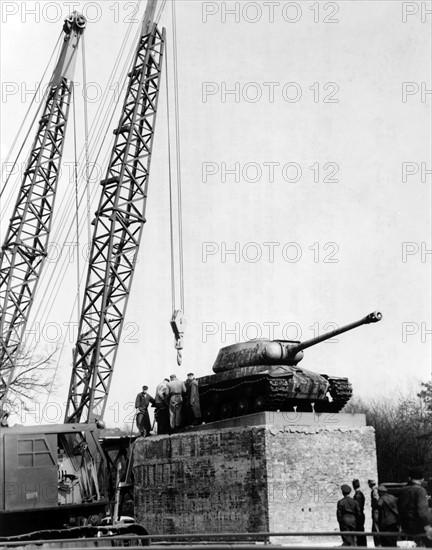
373,317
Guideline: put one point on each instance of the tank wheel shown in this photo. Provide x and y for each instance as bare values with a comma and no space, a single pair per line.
225,410
259,403
242,406
209,414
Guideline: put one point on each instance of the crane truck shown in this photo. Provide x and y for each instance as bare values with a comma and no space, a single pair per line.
57,475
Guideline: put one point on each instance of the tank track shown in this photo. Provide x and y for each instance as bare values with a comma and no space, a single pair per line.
272,394
340,391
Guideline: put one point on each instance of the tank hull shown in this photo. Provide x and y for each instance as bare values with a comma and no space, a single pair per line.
244,390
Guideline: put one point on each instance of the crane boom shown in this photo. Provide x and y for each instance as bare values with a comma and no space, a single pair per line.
25,246
119,222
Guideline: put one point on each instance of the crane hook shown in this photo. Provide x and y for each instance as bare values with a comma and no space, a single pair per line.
178,323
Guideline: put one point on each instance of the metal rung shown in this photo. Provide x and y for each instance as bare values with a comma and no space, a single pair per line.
109,181
122,130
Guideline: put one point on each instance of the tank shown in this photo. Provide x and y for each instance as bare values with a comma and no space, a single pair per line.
264,374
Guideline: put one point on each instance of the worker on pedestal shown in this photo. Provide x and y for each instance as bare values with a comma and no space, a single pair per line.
162,404
142,403
193,409
176,391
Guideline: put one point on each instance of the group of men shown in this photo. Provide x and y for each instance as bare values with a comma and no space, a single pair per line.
177,405
409,512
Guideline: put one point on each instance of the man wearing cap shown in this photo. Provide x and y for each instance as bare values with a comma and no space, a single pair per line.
414,513
388,519
176,390
360,499
374,509
348,515
193,409
142,402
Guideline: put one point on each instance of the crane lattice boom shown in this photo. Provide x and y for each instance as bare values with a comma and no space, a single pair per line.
119,222
25,246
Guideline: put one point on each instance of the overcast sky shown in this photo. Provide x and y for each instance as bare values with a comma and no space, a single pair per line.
306,173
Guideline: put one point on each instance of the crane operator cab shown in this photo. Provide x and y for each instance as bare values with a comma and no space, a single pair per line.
56,468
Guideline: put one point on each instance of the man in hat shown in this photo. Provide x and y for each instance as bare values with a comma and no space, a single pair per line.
374,509
414,513
388,518
348,515
193,409
360,499
142,402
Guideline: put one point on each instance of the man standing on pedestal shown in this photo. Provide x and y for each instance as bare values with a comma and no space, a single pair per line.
192,400
176,390
142,402
162,404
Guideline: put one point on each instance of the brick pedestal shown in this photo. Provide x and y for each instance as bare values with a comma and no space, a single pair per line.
264,472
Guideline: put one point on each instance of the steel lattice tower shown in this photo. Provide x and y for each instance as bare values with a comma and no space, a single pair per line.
25,247
119,223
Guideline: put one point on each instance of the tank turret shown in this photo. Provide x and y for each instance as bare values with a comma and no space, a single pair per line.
278,352
264,375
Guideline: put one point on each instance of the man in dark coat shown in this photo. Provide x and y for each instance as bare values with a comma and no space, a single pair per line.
360,499
142,402
193,409
374,509
162,404
414,513
348,514
388,519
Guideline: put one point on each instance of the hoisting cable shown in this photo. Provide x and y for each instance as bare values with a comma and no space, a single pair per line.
86,144
177,320
76,203
161,9
25,119
178,158
170,182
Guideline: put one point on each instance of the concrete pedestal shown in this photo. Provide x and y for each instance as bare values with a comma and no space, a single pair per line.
268,472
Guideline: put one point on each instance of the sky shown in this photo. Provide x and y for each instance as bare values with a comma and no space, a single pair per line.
305,140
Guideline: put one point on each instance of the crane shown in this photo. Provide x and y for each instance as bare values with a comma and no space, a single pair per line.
25,246
68,458
118,227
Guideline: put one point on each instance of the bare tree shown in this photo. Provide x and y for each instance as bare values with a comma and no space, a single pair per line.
32,377
401,422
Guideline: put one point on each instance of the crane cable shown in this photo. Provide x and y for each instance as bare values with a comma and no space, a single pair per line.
76,199
178,157
24,121
86,143
177,319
